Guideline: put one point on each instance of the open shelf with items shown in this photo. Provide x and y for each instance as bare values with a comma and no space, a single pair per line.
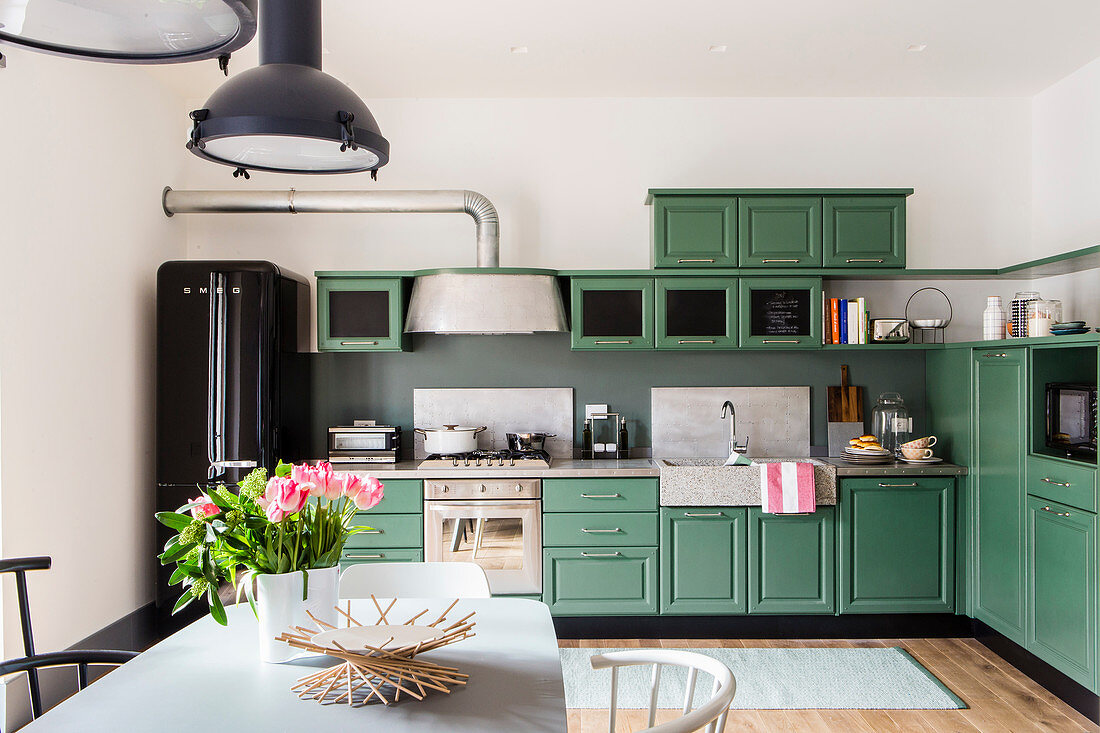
1070,365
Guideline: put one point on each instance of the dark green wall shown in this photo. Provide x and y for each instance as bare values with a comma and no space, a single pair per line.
380,385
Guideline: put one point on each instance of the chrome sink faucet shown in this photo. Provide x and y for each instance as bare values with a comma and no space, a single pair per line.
728,410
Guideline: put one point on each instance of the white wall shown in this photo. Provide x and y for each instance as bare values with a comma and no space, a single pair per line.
569,177
86,149
1066,163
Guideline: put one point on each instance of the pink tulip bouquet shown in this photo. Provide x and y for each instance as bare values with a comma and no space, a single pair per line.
297,520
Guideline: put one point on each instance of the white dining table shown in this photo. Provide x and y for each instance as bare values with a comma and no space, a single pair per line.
207,677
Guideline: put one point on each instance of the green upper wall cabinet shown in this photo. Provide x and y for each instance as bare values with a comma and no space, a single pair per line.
864,231
997,477
780,312
792,562
695,231
703,560
360,314
779,231
1061,597
696,312
897,545
611,313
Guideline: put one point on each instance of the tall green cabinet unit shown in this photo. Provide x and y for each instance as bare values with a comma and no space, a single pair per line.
997,477
694,231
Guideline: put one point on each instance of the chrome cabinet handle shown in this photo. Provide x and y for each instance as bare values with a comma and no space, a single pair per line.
682,261
695,341
358,343
793,260
895,486
865,259
994,356
781,341
703,514
601,531
625,341
234,464
601,554
1056,483
1057,514
600,496
373,531
353,556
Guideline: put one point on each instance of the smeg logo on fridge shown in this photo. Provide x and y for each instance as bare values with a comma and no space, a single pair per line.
205,290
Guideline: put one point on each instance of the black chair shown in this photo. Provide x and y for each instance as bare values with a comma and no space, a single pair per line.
31,663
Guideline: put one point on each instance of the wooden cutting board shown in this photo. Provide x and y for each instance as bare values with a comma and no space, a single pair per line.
845,403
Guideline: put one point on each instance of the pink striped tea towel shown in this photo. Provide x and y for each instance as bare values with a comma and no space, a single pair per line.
787,488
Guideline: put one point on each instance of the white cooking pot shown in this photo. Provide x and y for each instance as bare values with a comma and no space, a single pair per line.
450,439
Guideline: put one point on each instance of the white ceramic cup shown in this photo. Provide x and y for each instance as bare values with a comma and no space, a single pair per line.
916,454
921,442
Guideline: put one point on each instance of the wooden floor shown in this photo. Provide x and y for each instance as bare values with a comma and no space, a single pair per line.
1001,698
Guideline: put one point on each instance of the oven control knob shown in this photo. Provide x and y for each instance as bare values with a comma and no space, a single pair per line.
519,489
445,489
481,488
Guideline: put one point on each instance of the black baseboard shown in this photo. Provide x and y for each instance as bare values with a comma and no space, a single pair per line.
856,626
1069,691
135,632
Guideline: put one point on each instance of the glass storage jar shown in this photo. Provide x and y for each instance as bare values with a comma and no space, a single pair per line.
890,421
1017,316
1041,315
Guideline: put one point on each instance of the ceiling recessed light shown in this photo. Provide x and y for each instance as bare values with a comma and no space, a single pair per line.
916,47
518,49
717,48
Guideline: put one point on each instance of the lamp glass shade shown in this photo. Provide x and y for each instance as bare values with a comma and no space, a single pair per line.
286,152
129,31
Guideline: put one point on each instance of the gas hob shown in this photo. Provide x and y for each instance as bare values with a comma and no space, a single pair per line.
520,460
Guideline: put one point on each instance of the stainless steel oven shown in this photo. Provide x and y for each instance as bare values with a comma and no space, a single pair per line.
496,523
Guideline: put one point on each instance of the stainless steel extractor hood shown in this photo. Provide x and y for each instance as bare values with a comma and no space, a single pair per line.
486,299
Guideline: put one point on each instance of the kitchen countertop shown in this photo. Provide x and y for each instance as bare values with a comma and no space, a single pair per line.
626,468
898,468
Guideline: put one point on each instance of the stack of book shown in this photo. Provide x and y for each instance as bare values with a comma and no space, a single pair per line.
845,321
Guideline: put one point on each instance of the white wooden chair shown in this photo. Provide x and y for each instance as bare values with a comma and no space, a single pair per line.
414,580
711,716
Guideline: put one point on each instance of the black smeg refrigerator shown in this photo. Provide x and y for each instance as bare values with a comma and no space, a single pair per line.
232,385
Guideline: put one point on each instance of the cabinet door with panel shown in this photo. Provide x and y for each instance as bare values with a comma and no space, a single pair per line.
600,581
780,312
612,313
694,231
792,562
864,231
703,561
897,545
360,314
1000,427
1061,597
779,231
696,312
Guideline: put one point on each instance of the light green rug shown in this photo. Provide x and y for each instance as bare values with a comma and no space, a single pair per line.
773,679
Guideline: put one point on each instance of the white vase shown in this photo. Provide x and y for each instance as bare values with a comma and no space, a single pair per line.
993,319
281,607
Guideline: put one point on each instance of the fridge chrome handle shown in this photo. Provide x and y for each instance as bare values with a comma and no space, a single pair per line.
234,464
215,403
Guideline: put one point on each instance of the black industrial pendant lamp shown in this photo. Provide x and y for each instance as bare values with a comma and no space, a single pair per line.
286,115
129,31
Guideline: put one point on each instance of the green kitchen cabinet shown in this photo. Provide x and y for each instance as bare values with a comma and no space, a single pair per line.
897,545
611,313
779,231
703,564
1066,481
352,556
599,529
600,581
399,496
864,231
997,480
1061,595
694,231
696,312
599,495
792,562
780,312
387,530
360,314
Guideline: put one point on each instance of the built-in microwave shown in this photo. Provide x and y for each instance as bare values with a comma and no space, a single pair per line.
1071,418
363,444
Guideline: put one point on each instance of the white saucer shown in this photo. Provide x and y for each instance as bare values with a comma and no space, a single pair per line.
933,459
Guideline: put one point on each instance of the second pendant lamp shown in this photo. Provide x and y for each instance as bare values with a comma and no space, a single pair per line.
286,115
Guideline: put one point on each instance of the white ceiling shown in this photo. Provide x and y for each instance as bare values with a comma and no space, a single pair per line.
644,48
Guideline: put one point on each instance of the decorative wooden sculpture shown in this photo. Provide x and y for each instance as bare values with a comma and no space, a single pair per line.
378,659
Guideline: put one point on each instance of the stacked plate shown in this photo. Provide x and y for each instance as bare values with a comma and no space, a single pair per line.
933,459
1069,328
869,456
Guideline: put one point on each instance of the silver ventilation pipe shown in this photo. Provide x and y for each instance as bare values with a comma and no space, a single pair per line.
480,300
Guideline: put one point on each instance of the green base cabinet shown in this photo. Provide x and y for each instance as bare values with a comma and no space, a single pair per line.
360,314
1061,597
387,530
864,231
603,581
897,545
703,565
400,496
997,478
779,231
792,562
599,495
695,231
352,556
